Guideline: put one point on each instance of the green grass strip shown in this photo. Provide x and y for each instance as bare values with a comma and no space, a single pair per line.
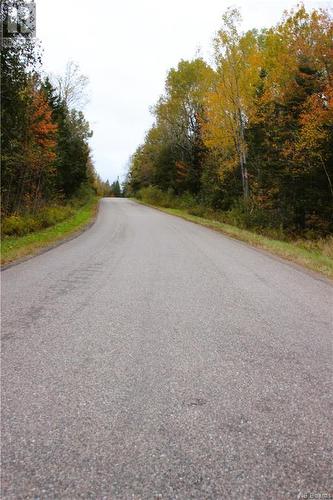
13,248
311,259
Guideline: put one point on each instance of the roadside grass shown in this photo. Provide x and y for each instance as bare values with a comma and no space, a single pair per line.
17,247
316,256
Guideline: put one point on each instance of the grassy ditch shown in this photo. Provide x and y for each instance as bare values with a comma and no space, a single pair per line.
63,222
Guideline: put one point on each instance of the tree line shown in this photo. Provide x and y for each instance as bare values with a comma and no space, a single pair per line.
253,133
44,134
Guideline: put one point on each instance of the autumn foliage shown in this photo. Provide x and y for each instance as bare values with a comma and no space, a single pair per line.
45,156
254,132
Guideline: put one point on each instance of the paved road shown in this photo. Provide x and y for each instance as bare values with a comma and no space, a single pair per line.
153,358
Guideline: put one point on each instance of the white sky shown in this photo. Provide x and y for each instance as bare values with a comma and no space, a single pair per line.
126,47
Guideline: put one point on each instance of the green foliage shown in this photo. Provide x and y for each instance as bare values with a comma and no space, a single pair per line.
17,225
251,140
50,216
101,188
73,150
115,189
20,225
173,154
154,196
83,195
44,141
14,247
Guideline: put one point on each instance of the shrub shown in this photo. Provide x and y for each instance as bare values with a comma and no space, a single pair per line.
13,225
84,194
154,196
186,200
19,225
49,216
198,211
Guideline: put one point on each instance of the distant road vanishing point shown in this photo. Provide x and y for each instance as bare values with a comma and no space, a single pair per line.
154,358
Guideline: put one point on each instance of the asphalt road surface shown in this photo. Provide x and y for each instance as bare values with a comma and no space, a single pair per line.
154,358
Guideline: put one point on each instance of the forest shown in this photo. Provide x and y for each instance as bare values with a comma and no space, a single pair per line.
249,138
47,169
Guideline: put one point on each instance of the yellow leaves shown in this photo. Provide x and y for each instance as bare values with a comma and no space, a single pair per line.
301,41
316,122
231,104
228,164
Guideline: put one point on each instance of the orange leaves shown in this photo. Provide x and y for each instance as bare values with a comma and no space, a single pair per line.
40,145
318,109
182,170
41,126
297,55
316,125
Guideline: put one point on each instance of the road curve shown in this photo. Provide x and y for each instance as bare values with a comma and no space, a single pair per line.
154,358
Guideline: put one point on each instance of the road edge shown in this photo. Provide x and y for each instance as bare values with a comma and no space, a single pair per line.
55,244
321,276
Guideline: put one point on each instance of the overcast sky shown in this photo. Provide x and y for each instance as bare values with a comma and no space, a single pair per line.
126,47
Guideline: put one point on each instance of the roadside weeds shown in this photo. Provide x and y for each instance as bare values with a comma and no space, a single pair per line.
17,249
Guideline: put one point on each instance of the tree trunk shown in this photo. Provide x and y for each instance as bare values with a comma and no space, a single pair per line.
245,179
37,192
327,175
242,152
